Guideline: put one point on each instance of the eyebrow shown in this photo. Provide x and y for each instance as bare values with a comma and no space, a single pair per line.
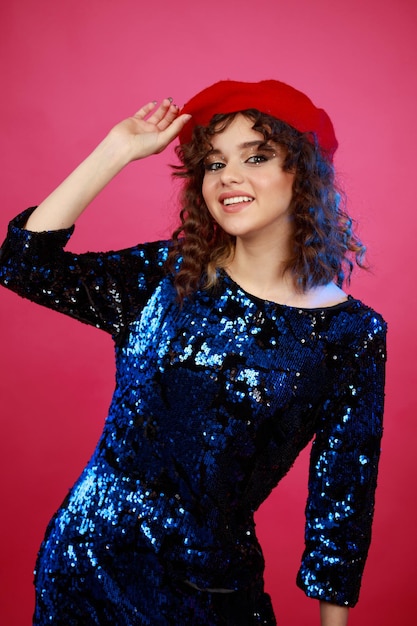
244,146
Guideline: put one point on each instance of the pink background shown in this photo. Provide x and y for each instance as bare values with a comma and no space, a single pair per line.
69,71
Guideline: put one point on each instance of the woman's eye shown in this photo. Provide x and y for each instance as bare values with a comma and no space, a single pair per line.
213,167
257,159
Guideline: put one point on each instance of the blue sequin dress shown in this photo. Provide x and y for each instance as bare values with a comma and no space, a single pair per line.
213,403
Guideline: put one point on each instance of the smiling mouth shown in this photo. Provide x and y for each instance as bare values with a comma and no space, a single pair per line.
236,200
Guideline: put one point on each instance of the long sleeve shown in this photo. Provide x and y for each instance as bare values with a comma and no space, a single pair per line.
343,468
102,289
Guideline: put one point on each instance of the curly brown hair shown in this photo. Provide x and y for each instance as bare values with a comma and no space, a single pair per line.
325,246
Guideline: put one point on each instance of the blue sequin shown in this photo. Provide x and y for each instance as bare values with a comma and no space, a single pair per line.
213,403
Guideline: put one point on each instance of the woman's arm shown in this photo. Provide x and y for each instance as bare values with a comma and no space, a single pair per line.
344,459
147,132
333,615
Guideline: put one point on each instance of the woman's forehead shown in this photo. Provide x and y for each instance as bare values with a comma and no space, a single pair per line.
240,129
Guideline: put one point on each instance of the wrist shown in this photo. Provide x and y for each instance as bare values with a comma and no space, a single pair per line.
113,153
333,615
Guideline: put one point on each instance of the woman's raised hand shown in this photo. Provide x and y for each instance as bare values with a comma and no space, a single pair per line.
149,130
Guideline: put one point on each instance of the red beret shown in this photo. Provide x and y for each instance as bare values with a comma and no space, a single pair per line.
268,96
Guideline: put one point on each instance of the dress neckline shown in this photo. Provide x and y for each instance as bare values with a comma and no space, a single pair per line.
271,303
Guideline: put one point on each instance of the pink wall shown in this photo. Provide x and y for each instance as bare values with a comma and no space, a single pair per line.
72,69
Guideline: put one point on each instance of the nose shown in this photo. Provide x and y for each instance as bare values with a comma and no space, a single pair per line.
231,173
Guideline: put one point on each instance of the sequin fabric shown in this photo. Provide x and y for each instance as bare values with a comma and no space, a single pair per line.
213,403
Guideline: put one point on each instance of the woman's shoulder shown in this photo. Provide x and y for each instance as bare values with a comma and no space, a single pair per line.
342,320
323,296
330,298
354,326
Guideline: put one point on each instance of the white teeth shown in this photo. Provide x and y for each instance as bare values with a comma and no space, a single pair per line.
236,200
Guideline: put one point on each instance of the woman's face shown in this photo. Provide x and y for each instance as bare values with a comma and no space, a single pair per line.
244,187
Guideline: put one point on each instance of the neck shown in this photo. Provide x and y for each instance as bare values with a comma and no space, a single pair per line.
259,269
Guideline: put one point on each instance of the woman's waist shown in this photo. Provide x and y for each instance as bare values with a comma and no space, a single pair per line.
109,496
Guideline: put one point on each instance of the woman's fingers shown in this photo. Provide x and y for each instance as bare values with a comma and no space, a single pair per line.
151,128
162,116
173,128
145,110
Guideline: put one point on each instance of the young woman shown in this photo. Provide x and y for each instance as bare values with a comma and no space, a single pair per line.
235,346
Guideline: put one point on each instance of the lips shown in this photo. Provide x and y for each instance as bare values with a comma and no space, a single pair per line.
234,199
237,200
